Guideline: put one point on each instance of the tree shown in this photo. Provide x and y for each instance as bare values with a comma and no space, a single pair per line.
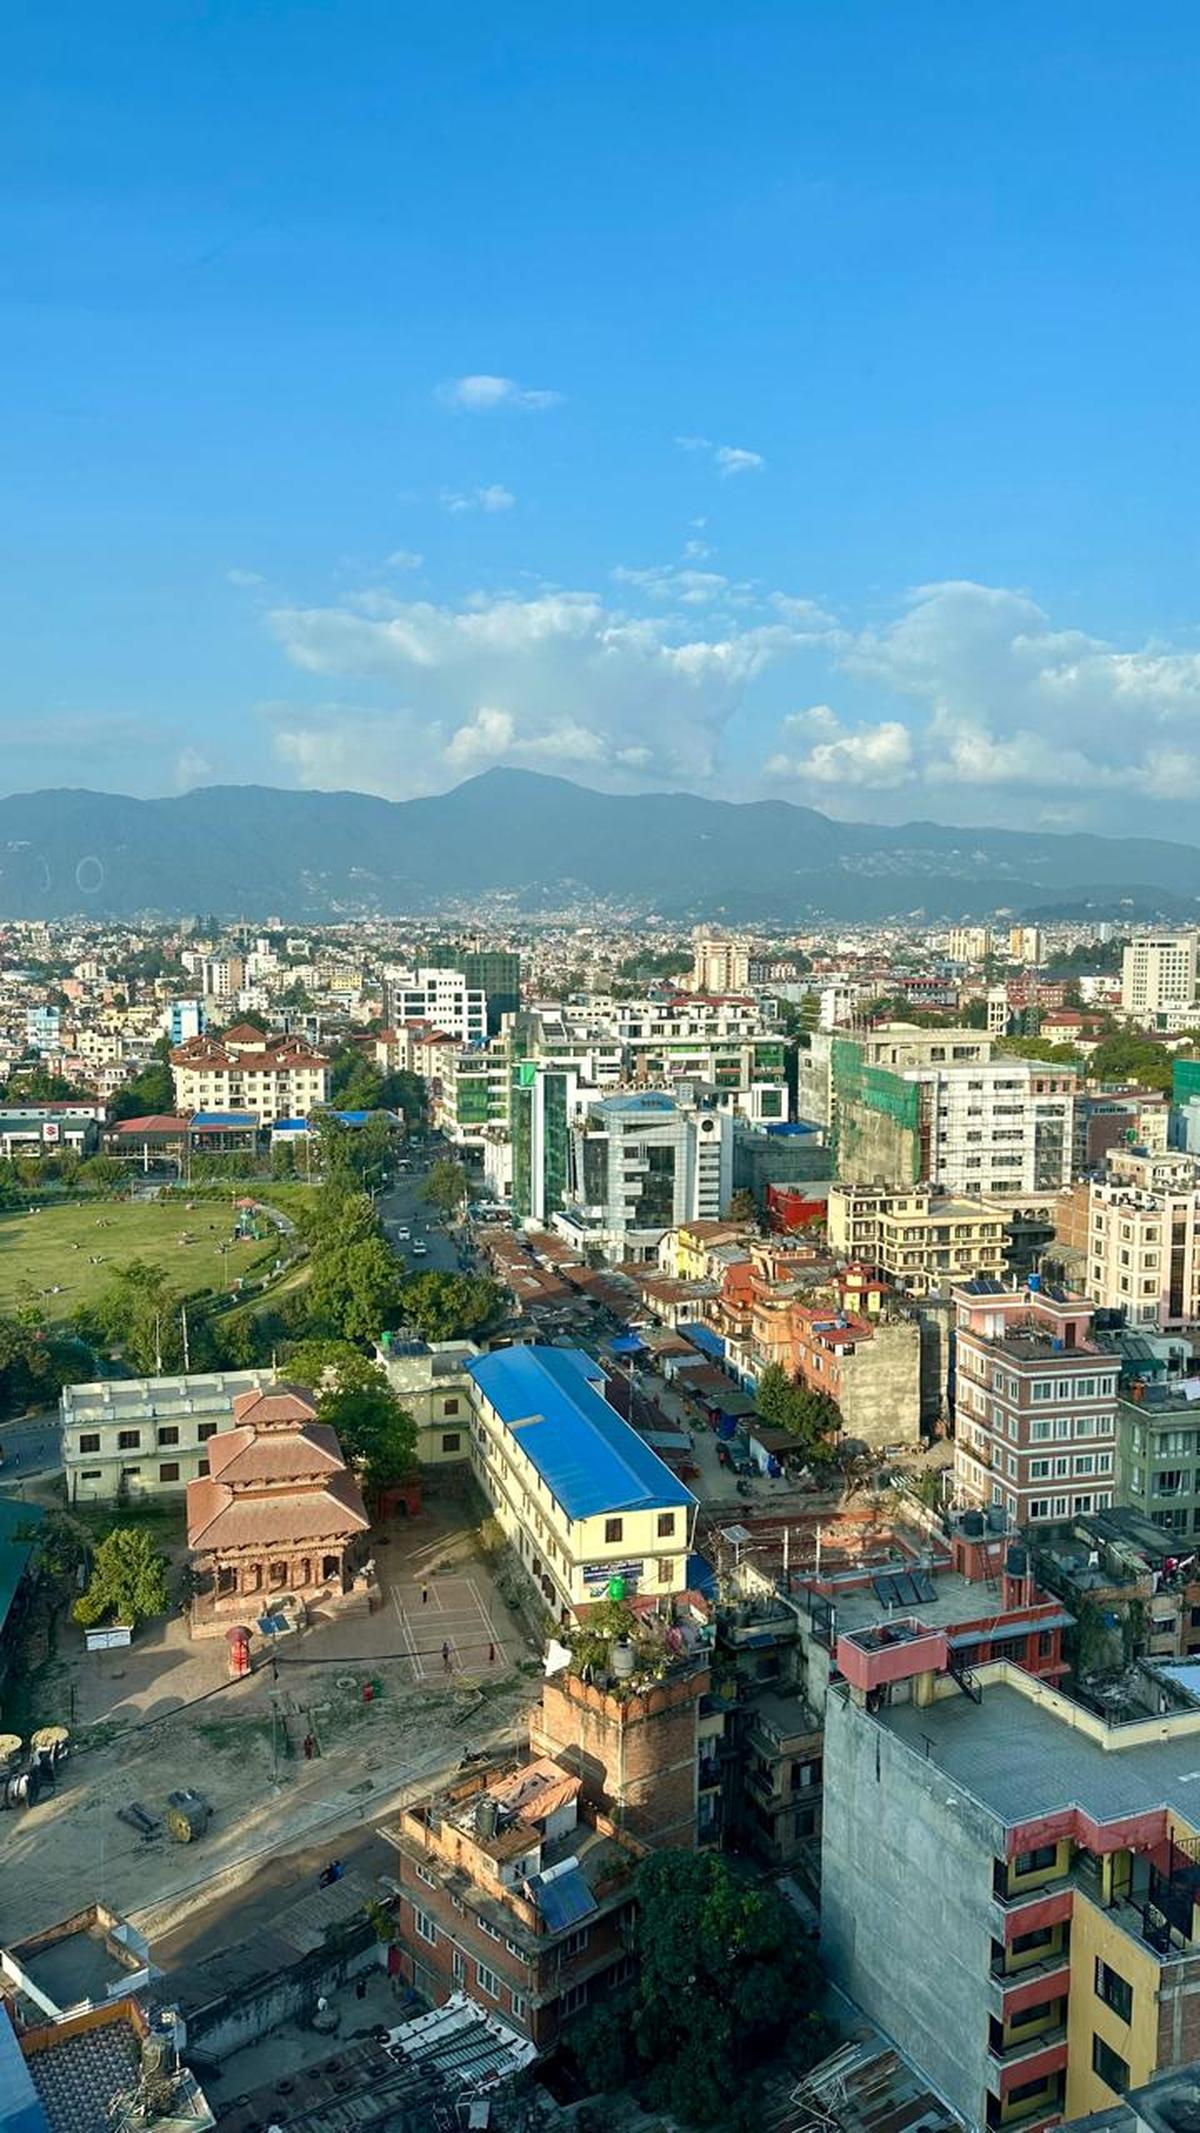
723,1975
354,1397
741,1207
152,1091
446,1187
810,1417
450,1307
1127,1057
1038,1048
356,1287
128,1581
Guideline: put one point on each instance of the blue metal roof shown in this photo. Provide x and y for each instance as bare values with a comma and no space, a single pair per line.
701,1577
20,2105
626,1344
702,1337
204,1119
588,1457
653,1100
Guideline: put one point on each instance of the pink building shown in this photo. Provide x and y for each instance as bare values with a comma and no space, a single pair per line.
1035,1404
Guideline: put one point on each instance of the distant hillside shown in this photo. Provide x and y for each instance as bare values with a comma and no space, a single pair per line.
249,850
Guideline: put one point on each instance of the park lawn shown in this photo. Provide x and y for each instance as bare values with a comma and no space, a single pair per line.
40,1249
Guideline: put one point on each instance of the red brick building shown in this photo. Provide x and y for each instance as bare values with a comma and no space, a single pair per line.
513,1891
636,1754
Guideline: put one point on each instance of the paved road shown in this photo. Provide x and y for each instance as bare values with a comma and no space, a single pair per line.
30,1445
402,1207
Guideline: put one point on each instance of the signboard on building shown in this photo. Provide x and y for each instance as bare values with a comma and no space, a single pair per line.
50,1129
600,1573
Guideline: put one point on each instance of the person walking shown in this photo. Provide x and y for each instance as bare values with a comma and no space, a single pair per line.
424,1594
445,1658
491,1655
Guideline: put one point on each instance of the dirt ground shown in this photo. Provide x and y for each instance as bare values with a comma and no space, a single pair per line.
164,1715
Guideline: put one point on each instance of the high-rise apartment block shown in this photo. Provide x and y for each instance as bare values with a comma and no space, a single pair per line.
1009,1883
1143,1243
1036,1404
720,966
935,1106
1158,973
970,944
440,996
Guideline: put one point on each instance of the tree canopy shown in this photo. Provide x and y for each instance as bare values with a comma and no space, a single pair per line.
450,1307
376,1433
128,1581
446,1187
723,1973
151,1091
810,1417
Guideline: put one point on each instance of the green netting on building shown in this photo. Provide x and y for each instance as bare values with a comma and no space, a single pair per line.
1185,1080
862,1093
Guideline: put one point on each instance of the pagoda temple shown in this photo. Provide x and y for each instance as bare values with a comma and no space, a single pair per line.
278,1512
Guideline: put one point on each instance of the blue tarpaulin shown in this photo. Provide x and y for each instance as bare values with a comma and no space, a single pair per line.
703,1338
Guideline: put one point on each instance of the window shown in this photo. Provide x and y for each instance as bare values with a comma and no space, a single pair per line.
1042,1389
1039,1470
485,1926
1041,1937
1036,1861
1040,1432
92,1473
614,1529
169,1470
129,1440
459,1967
1109,2065
1114,1990
488,1981
423,1927
451,1440
514,1948
423,1874
205,1431
131,1473
90,1442
169,1433
450,1407
572,2001
666,1525
576,1942
518,2005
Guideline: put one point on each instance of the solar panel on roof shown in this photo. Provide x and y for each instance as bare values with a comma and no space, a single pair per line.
563,1901
884,1591
926,1588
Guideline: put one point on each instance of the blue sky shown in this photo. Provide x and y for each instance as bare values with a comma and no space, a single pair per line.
782,398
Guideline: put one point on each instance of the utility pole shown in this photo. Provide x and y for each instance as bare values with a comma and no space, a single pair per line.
158,1344
184,1325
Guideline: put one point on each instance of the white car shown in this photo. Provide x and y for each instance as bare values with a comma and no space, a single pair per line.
419,1250
402,1235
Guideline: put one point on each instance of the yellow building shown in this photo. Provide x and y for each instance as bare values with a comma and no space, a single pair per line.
579,1494
686,1252
431,1383
920,1240
1034,1935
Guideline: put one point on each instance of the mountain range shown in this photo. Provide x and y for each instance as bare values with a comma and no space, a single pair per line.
248,850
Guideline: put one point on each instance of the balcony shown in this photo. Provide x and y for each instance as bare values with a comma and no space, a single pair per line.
1009,1990
1029,2059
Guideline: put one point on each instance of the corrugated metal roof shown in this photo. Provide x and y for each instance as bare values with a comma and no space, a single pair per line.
702,1337
18,1527
585,1453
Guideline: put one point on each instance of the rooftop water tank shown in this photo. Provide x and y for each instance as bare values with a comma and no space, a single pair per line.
1016,1562
972,1525
621,1659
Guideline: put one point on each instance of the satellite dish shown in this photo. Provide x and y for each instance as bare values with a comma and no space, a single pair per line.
557,1657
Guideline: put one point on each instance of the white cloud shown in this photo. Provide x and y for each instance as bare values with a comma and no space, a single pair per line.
560,679
727,458
1010,701
494,497
735,459
243,577
404,559
869,756
191,768
481,391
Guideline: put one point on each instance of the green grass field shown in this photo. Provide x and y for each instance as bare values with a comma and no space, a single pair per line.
68,1253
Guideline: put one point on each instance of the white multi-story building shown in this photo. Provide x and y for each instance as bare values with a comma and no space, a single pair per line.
1143,1245
1035,1405
933,1106
131,1437
439,996
1158,973
279,1077
640,1165
580,1495
222,976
